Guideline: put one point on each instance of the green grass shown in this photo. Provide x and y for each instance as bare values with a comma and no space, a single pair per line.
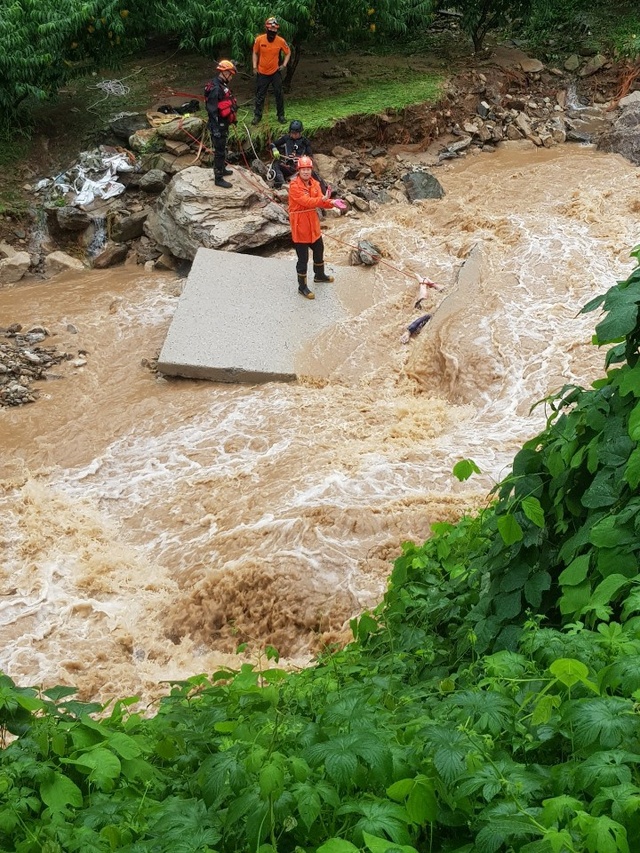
362,100
624,34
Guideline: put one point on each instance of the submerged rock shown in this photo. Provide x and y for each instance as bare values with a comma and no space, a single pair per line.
421,185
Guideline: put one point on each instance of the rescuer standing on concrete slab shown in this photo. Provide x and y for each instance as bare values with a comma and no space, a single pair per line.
305,196
271,56
221,108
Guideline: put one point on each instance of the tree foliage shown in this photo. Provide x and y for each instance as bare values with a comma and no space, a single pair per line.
43,43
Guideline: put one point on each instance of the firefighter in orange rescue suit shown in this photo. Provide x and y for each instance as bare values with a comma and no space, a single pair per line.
305,196
221,108
270,57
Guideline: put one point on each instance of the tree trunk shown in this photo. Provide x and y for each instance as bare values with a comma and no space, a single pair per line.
296,52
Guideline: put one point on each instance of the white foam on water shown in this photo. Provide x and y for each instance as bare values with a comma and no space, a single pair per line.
209,512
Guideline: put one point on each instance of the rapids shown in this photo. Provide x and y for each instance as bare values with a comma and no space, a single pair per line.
152,525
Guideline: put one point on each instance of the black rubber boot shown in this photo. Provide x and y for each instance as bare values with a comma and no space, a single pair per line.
319,273
220,182
228,172
303,290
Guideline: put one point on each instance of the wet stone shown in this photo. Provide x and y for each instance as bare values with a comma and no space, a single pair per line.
420,185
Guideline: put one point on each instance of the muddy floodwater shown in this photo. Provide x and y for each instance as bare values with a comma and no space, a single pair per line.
150,525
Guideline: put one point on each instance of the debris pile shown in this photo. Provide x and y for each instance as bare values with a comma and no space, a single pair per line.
23,361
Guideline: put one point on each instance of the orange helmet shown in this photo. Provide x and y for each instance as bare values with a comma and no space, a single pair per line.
226,65
305,162
272,24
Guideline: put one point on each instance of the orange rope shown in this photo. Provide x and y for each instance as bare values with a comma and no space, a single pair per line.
627,78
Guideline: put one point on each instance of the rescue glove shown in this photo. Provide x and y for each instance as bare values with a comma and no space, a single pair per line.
275,153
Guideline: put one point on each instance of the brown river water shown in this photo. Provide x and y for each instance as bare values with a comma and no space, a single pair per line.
150,525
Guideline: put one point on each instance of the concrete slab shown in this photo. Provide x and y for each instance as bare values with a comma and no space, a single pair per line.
241,319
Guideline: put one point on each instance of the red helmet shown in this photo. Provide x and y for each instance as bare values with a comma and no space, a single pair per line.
226,65
305,162
272,24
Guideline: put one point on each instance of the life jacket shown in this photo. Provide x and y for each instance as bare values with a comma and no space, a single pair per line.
228,109
227,103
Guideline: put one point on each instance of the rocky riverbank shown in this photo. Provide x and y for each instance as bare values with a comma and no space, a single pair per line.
136,198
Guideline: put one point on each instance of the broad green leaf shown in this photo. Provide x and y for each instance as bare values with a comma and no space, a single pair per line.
603,835
299,768
421,803
382,845
544,708
104,767
620,320
632,471
619,561
464,469
363,627
59,792
533,510
603,491
610,533
341,766
576,571
125,746
634,423
399,790
271,781
59,692
510,530
569,671
535,586
559,809
309,805
575,598
605,590
630,381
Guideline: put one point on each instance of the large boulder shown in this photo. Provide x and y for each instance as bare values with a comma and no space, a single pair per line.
71,219
182,129
129,227
13,267
127,124
420,184
193,212
331,169
624,136
61,262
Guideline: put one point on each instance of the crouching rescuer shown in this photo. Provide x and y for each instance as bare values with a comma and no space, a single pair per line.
221,108
305,196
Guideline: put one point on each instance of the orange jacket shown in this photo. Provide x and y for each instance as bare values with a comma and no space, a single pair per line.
269,53
303,216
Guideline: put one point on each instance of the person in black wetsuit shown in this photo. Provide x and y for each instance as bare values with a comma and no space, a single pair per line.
286,152
221,108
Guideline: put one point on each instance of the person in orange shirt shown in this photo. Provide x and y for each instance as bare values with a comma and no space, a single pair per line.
305,196
270,57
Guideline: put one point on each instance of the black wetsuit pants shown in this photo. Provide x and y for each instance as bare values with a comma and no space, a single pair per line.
219,142
302,251
263,81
